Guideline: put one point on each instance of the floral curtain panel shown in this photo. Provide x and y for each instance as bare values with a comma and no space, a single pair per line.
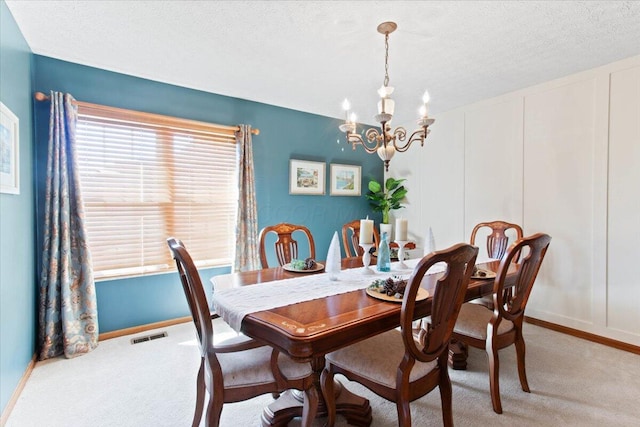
246,256
67,310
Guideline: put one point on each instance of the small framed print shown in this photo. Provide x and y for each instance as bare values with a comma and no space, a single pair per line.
345,180
306,177
9,151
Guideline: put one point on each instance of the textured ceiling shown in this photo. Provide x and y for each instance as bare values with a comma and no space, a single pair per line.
310,55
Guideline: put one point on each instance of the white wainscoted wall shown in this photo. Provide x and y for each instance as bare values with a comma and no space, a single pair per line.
563,158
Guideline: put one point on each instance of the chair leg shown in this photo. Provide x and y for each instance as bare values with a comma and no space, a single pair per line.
446,393
214,410
494,372
404,412
200,395
520,351
402,394
326,382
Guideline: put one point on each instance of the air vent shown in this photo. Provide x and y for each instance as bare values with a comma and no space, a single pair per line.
151,337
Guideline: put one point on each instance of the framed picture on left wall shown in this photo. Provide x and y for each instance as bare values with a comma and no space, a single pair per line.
9,151
306,177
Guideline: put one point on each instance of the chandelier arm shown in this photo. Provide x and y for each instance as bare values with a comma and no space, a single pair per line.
418,135
399,137
399,134
372,138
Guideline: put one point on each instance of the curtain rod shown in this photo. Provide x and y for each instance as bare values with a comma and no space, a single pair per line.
39,96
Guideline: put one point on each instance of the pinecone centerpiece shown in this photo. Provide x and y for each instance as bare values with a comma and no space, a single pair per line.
304,264
393,286
309,263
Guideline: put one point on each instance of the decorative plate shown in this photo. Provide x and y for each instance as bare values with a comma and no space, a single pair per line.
488,274
372,291
318,267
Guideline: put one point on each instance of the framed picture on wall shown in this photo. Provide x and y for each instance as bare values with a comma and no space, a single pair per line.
345,180
9,152
306,177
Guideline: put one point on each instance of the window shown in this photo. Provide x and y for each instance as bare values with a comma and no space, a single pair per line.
146,177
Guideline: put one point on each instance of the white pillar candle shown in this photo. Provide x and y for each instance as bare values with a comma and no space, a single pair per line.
401,229
366,231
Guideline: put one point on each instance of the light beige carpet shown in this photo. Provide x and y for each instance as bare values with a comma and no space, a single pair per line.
573,383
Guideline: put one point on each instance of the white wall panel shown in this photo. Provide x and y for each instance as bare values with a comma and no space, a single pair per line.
493,165
435,179
410,165
559,138
578,143
623,296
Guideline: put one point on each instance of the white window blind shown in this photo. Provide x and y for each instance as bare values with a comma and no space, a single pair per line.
146,177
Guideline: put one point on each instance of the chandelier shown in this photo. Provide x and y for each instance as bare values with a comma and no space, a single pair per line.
386,141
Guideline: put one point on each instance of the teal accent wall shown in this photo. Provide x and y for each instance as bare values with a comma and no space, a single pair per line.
284,134
17,237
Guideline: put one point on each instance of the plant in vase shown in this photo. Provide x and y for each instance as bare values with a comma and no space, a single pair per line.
387,198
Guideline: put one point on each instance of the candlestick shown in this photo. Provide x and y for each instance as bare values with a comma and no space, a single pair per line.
366,257
366,231
401,265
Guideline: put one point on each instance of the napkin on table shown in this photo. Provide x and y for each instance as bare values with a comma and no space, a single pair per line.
332,265
429,242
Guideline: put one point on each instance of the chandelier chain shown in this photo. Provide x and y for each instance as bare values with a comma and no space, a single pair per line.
386,59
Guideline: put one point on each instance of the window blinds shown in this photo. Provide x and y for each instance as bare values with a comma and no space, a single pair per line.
146,177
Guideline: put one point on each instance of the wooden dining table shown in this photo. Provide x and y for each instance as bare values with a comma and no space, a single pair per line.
306,331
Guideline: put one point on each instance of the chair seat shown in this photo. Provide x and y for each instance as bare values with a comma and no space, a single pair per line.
486,301
252,368
378,358
473,320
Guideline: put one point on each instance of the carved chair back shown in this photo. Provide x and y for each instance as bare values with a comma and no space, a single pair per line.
447,299
497,241
351,238
286,247
534,248
194,292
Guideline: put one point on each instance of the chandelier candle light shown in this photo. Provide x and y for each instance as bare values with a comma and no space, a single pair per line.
386,141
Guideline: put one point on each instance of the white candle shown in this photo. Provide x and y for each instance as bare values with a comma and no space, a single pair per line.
366,231
424,110
401,229
346,106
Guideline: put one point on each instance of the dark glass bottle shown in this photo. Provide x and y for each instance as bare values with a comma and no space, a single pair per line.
384,254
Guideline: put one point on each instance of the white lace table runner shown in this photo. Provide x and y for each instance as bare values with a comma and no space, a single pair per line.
233,304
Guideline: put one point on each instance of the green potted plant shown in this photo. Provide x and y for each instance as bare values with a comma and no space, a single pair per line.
387,198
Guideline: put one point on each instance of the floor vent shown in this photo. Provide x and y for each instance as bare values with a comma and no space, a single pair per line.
152,337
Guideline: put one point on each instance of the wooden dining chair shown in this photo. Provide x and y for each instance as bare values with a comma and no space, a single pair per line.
351,238
497,241
497,244
497,328
393,364
286,247
239,368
